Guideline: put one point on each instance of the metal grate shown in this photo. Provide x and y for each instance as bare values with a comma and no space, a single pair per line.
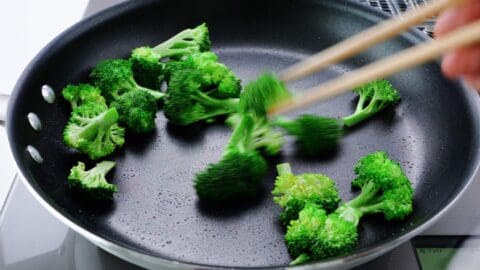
396,7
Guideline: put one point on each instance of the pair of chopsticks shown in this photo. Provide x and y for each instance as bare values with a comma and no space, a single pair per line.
405,59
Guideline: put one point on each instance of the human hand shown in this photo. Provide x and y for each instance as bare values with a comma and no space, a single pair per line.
463,62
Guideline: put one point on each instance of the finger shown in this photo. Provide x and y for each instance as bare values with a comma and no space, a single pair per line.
462,62
458,16
473,81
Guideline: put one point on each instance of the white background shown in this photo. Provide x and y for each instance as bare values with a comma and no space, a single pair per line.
25,27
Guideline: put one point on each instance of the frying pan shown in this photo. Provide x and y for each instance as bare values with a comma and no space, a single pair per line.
156,220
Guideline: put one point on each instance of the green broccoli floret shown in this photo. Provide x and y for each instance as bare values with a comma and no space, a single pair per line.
215,76
372,98
146,62
115,78
384,189
137,111
259,95
93,130
316,235
81,94
314,134
292,192
92,183
240,171
186,103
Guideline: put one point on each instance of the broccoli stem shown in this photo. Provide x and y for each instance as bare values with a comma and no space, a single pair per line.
102,122
230,105
356,117
365,202
167,48
303,258
156,94
102,168
283,122
361,112
241,138
361,103
374,208
284,169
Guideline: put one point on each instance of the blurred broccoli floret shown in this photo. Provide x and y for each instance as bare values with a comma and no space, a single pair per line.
93,130
217,79
137,111
252,132
259,95
266,139
315,135
372,98
115,78
92,182
186,103
292,192
81,94
238,174
146,62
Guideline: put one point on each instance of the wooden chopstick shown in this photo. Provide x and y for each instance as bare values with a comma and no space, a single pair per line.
364,40
405,59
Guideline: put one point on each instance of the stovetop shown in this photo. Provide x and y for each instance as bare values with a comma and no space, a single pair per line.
31,238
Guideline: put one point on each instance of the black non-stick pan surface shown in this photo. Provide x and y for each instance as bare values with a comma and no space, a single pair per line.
432,132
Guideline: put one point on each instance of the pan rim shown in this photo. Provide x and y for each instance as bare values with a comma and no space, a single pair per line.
145,259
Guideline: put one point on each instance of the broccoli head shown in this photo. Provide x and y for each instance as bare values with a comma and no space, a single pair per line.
337,237
302,232
314,134
147,69
372,98
137,111
93,130
92,183
292,192
240,171
81,94
115,78
236,176
316,235
186,103
215,76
